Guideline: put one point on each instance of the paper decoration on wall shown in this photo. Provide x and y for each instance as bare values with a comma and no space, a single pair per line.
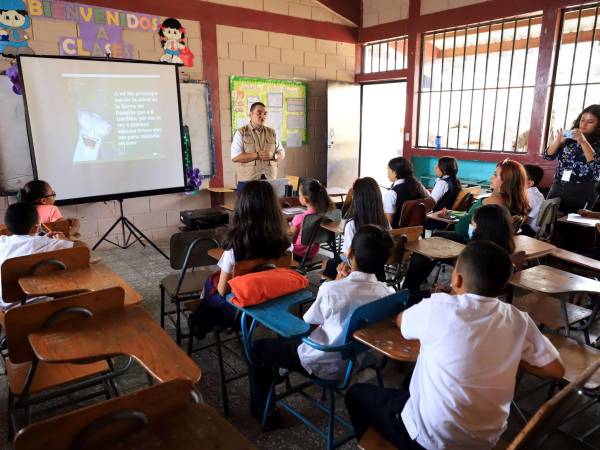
100,29
13,75
285,100
14,21
172,38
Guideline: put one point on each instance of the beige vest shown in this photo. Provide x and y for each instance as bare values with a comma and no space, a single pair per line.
254,142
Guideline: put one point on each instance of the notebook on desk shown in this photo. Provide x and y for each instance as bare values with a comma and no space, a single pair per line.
576,218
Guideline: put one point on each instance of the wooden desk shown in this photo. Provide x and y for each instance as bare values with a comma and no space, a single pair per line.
436,216
175,422
385,338
577,259
334,227
92,278
436,248
533,248
122,331
559,284
337,192
552,281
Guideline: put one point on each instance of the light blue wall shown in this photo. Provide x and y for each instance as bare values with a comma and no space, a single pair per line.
468,170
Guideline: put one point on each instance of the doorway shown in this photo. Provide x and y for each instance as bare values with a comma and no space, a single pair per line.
382,128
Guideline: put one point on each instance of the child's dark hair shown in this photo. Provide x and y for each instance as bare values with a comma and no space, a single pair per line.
535,173
494,224
448,165
21,217
367,205
403,169
371,246
171,23
258,224
34,191
485,268
317,195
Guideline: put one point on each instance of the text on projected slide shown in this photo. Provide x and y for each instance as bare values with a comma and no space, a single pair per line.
118,119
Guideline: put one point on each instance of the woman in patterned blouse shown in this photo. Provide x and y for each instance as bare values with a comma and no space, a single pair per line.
578,169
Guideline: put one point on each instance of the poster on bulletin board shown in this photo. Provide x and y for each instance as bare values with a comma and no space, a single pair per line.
286,105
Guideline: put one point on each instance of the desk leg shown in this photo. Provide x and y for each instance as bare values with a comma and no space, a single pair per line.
565,313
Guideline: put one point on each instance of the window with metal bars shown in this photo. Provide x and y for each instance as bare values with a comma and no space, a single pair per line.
477,85
384,56
577,75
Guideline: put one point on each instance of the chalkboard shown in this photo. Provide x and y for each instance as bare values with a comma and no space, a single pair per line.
15,160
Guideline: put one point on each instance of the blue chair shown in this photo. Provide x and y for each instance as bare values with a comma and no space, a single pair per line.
376,311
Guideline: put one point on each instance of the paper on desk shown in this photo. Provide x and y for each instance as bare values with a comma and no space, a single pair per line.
579,219
294,210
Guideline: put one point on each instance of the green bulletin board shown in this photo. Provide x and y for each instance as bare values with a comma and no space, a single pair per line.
286,105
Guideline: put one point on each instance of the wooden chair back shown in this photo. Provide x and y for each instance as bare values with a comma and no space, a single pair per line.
245,267
14,268
552,413
60,226
4,231
414,212
464,201
21,321
66,432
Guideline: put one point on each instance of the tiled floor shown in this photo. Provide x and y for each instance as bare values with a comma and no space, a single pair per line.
144,267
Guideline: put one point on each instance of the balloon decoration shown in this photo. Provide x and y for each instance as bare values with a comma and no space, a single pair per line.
13,74
194,178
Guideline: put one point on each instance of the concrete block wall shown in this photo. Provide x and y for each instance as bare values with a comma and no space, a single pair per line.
432,6
156,216
377,12
305,9
260,53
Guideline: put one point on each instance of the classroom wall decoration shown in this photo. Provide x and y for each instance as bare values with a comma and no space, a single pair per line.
285,101
14,22
172,39
101,29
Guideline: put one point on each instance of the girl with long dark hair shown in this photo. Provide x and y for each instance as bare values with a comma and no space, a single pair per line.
448,185
258,231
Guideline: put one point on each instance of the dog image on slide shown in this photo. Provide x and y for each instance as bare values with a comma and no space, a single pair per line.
92,129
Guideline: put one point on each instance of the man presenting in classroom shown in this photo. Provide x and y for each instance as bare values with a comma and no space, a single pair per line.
255,148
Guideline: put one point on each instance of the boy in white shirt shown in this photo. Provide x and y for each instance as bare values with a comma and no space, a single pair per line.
21,219
472,345
536,198
355,286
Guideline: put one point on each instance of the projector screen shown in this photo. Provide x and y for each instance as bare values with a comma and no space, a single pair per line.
103,129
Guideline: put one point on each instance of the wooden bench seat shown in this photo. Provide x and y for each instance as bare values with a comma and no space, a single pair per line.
49,375
576,358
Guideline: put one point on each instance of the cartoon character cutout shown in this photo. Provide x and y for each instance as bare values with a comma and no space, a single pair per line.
172,38
14,20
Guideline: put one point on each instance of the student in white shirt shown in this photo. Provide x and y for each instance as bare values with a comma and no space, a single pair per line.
356,285
536,198
22,219
472,345
447,186
404,187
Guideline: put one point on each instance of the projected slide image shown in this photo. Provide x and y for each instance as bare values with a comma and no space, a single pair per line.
117,120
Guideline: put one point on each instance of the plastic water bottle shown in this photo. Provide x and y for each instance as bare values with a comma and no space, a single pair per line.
438,142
